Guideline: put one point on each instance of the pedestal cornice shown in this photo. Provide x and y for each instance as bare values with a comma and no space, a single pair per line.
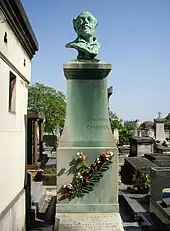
85,69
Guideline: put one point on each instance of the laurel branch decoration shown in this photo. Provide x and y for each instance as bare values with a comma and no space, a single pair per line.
85,176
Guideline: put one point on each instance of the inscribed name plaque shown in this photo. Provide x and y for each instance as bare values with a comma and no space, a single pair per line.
90,221
98,123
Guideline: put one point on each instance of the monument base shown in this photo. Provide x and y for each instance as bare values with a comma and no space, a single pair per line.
88,221
104,196
87,129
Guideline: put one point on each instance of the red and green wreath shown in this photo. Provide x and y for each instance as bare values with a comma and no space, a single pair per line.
86,176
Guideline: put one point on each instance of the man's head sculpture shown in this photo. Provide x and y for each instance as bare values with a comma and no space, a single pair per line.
86,44
85,25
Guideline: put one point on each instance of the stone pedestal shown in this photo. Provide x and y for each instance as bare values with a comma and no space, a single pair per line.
116,134
140,146
87,129
159,129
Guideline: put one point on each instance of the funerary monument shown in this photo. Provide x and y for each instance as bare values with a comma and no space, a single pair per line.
87,156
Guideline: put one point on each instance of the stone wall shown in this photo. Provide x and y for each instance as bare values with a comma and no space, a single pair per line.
14,218
12,127
17,46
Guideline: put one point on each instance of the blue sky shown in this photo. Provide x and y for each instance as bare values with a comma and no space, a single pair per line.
134,37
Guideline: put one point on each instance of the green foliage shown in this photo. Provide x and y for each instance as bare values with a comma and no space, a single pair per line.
142,181
130,125
125,132
50,172
124,136
84,176
48,102
115,122
148,179
168,117
82,189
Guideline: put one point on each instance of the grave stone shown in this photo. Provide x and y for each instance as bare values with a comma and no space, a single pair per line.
166,202
151,133
37,197
124,150
162,160
160,149
140,133
159,128
136,132
132,164
141,145
87,129
160,179
167,134
116,134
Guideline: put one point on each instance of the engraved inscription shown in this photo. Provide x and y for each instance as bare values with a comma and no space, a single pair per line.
98,123
99,119
83,222
98,126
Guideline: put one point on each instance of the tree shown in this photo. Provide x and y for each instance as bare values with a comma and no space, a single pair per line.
124,136
131,125
48,102
125,130
115,122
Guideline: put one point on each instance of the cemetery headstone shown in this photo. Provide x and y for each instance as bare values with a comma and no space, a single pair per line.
133,164
160,180
159,128
87,156
116,134
140,146
136,131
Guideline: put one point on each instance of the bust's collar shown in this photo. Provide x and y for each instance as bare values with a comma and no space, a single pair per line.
82,40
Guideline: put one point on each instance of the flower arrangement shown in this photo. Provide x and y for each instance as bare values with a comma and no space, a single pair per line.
86,176
142,182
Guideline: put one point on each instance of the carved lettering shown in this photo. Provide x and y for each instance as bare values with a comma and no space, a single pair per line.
92,222
98,123
97,126
99,119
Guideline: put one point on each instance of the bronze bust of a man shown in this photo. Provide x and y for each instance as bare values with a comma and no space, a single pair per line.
86,43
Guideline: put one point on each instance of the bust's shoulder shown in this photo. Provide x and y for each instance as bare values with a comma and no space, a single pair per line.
76,44
72,44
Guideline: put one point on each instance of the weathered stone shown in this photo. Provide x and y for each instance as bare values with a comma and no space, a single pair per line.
87,120
133,164
140,146
160,131
160,178
87,129
92,221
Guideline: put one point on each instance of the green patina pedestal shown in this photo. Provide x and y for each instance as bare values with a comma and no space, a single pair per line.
87,129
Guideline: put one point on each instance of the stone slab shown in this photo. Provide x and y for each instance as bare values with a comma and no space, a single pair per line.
162,163
89,221
37,193
103,198
166,201
51,163
134,204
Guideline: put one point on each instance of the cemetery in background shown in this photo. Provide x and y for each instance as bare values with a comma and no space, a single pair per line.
32,122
